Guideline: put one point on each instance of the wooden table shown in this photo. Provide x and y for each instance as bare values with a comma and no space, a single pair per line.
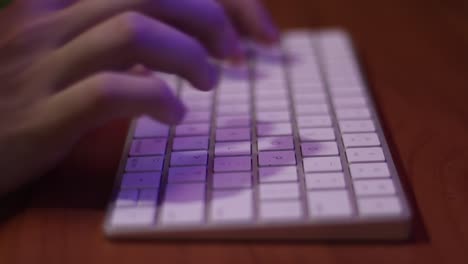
416,57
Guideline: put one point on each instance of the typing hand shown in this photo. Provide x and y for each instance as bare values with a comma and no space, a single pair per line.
64,67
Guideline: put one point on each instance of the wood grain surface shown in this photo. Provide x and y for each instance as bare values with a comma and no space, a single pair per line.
416,57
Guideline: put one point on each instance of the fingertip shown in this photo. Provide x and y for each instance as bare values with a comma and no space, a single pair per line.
269,31
177,115
210,77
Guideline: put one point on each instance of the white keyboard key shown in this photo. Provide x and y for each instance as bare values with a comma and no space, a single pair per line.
232,205
187,174
197,117
151,163
133,216
320,164
274,129
146,127
325,180
233,148
197,105
232,180
234,109
233,121
347,102
309,97
316,134
374,187
311,109
193,130
278,191
183,158
196,95
190,143
369,170
329,204
280,210
343,82
148,197
141,180
279,86
275,143
227,164
324,148
346,92
353,113
232,134
271,94
272,117
311,77
361,140
379,206
278,174
307,86
276,158
127,197
233,97
314,121
183,204
272,105
237,91
365,154
153,146
357,126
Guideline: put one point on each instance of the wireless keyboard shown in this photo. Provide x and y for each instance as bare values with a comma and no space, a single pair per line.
289,146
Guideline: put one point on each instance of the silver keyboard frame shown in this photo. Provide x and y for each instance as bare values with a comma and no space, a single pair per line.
352,228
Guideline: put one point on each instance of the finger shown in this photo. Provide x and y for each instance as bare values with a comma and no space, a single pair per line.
252,19
107,96
205,20
140,70
128,39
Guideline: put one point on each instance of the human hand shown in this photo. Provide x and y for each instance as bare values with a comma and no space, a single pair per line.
64,67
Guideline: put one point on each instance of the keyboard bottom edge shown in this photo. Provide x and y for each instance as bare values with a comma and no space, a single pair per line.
385,231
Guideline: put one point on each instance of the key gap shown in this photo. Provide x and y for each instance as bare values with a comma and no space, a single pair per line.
296,139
